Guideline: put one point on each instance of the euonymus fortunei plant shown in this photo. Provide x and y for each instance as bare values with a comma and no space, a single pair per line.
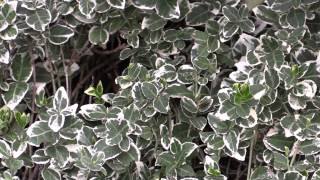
160,89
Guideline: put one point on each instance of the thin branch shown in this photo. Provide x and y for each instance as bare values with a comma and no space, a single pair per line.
108,52
88,76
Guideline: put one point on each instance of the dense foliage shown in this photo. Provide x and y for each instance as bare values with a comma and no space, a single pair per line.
150,89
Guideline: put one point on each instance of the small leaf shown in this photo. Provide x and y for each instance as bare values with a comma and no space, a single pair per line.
280,162
10,33
149,90
120,4
21,68
39,19
86,7
15,94
60,34
262,173
290,175
168,9
94,112
161,103
61,100
296,18
153,22
231,13
189,105
98,35
115,131
231,141
198,14
50,174
59,153
56,122
5,151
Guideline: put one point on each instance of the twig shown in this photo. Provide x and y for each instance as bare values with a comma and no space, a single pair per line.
108,52
51,69
251,153
295,151
88,76
66,71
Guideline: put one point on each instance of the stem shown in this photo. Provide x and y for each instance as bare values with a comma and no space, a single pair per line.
171,124
294,154
156,143
53,82
66,71
251,154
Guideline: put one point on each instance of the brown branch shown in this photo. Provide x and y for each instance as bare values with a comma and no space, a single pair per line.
88,76
108,52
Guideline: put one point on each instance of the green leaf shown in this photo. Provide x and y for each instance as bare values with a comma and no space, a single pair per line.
40,132
296,18
188,148
86,136
153,22
60,34
185,171
50,174
4,55
282,5
199,14
133,154
309,147
262,173
61,100
39,157
231,141
39,19
230,29
110,152
22,119
15,94
272,78
165,159
115,130
21,68
149,90
59,153
131,113
10,33
280,161
3,23
161,103
56,122
120,4
86,7
198,122
98,35
94,112
231,13
205,103
247,25
266,14
168,9
144,4
5,150
178,91
189,105
9,13
278,142
13,164
294,175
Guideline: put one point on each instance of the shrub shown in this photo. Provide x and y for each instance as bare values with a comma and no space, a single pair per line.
150,89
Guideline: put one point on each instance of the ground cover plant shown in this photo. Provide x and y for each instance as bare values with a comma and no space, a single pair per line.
160,89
